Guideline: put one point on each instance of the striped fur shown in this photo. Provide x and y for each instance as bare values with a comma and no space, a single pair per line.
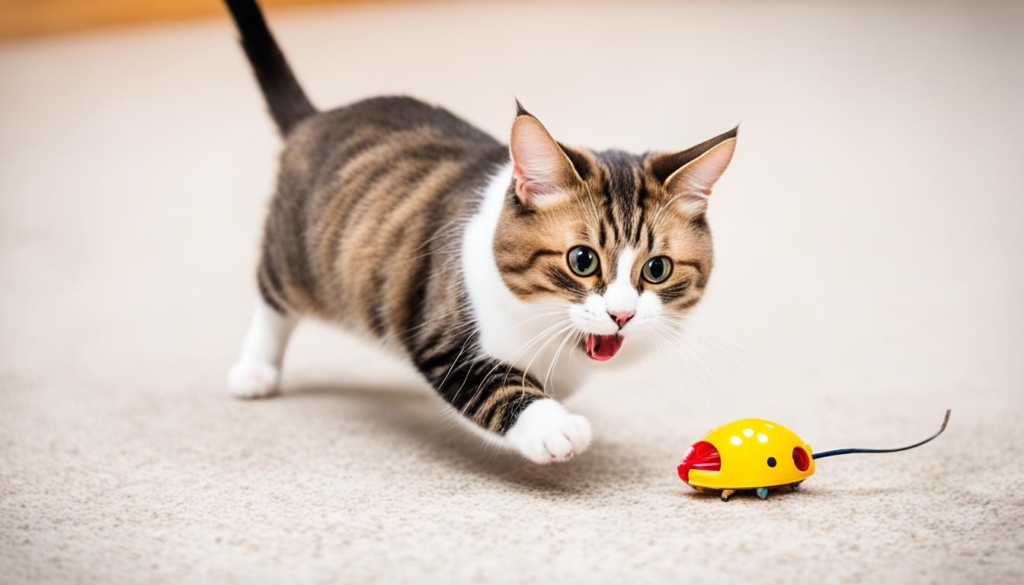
367,229
364,231
622,204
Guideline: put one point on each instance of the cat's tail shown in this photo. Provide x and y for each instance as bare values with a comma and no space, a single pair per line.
287,102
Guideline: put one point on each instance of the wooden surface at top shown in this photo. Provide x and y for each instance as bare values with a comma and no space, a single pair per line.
32,18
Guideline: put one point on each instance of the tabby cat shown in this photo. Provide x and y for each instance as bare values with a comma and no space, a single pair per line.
490,267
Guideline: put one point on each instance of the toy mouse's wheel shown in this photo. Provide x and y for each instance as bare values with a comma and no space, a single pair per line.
795,486
726,494
762,493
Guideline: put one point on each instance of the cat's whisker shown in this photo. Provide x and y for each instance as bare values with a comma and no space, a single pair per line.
666,344
519,353
450,251
468,325
701,384
464,219
455,363
706,374
683,336
570,333
526,370
699,350
533,340
703,328
708,385
747,378
696,350
576,341
686,374
728,353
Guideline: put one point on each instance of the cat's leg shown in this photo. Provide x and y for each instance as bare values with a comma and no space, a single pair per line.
257,373
509,406
545,431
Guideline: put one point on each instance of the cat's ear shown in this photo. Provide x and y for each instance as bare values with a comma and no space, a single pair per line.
543,172
690,175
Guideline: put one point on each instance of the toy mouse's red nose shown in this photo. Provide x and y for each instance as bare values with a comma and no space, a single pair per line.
702,456
621,317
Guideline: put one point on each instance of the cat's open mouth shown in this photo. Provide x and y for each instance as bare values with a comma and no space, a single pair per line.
603,347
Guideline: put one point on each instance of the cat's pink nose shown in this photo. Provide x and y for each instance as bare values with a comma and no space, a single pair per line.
621,317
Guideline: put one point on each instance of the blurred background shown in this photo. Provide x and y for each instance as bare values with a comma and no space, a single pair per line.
869,275
28,18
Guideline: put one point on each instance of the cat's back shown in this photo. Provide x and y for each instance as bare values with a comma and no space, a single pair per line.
398,114
374,180
381,130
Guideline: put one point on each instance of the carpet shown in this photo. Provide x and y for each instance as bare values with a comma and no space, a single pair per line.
868,277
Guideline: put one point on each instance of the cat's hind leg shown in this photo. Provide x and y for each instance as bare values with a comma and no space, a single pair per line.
257,373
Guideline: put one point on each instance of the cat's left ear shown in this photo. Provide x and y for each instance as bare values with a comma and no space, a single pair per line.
690,175
543,172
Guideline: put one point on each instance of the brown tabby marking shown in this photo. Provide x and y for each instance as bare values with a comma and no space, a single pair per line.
365,231
366,225
622,203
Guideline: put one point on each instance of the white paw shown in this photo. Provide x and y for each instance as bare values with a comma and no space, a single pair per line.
547,432
253,380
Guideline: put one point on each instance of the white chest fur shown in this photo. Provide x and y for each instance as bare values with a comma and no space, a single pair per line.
529,336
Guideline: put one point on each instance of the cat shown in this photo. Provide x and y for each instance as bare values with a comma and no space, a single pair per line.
505,274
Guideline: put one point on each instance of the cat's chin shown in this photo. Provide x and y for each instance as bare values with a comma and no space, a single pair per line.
602,347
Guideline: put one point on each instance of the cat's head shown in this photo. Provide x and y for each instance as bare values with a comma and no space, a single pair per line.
619,241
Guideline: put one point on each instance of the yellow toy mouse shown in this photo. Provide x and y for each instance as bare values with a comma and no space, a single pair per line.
757,454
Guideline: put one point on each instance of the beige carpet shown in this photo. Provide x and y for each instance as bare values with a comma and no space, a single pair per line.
870,275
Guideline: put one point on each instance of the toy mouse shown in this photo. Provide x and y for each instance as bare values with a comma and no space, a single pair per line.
756,454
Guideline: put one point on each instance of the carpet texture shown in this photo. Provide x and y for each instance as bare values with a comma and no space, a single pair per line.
869,276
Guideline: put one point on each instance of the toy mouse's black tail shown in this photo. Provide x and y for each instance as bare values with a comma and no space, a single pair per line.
824,454
287,102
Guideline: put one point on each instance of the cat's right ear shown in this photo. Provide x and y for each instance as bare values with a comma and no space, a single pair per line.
690,175
543,173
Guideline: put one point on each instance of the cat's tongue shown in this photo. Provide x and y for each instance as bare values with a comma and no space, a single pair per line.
603,347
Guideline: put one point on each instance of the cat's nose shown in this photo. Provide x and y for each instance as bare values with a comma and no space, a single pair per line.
621,317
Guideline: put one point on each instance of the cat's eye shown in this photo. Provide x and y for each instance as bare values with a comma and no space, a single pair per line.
657,270
583,261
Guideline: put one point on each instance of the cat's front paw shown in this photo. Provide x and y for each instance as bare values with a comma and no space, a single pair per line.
253,380
546,432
